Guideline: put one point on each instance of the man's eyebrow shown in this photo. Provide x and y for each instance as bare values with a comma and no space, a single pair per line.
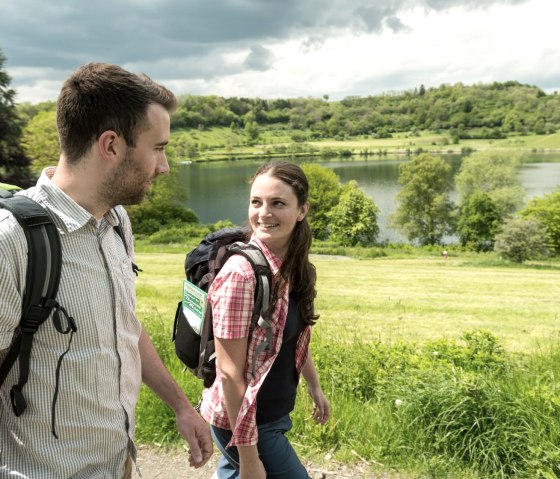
162,143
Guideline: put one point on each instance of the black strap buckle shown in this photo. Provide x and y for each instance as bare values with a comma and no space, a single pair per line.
19,404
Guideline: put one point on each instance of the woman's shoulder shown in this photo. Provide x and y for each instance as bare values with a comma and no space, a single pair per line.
237,265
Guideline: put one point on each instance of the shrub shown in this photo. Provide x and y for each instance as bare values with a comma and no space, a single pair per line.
521,240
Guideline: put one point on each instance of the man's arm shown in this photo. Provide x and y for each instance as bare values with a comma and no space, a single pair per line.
189,423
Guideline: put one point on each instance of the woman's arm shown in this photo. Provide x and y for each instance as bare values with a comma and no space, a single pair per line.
321,407
231,355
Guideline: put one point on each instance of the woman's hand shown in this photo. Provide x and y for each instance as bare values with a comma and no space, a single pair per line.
250,465
321,406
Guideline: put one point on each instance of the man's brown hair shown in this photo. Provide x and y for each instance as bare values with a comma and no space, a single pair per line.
98,97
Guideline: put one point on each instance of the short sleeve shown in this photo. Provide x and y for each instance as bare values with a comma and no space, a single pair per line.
231,297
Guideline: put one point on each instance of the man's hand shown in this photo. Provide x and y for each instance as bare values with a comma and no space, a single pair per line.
196,432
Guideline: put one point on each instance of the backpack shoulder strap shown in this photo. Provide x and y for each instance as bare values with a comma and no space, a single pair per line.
261,310
44,264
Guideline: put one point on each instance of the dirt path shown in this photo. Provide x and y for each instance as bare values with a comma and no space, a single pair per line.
157,463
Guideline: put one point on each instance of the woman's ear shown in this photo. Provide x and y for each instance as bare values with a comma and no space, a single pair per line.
303,211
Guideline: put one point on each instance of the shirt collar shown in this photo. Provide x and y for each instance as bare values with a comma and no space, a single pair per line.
71,215
273,260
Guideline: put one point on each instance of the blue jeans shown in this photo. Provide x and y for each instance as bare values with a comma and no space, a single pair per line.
275,451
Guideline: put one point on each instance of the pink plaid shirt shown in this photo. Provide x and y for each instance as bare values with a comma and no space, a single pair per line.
231,296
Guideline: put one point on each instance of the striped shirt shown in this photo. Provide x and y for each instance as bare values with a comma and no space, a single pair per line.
100,376
231,296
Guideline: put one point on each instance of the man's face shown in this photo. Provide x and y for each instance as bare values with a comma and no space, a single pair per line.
132,177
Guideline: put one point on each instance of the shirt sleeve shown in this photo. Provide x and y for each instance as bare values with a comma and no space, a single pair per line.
231,296
13,267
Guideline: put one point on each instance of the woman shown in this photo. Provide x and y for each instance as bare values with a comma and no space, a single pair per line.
250,415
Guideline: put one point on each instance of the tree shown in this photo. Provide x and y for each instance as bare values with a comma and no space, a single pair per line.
479,221
160,209
324,191
40,140
425,212
252,132
14,163
494,173
521,239
354,218
546,210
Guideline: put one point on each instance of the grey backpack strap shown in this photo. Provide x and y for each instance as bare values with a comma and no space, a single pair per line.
261,313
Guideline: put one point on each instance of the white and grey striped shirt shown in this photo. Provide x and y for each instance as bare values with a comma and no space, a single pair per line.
101,374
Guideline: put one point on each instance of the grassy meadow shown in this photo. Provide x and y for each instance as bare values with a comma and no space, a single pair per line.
434,367
219,143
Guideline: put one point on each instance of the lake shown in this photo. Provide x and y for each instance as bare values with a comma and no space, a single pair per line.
220,190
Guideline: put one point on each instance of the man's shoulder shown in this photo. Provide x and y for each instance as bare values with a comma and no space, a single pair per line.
9,225
12,237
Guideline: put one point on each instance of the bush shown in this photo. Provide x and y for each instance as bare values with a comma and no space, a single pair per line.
521,240
464,404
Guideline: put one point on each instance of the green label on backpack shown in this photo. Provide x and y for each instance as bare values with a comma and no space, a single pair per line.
194,305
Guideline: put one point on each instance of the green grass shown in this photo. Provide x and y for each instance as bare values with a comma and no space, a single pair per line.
410,298
221,143
434,368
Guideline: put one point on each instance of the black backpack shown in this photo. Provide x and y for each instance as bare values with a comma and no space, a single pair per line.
196,349
44,264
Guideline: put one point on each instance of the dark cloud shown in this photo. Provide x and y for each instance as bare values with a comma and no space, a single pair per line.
259,59
185,39
396,25
62,33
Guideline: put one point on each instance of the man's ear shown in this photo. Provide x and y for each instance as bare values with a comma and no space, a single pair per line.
111,146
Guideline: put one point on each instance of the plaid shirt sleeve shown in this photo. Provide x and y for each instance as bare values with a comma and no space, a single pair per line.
231,296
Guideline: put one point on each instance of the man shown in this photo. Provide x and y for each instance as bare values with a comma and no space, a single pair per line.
79,423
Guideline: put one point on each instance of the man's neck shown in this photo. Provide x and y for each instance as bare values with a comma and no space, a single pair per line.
81,185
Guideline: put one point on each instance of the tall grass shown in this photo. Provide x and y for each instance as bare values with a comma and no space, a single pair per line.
473,409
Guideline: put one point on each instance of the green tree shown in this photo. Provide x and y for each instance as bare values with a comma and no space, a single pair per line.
324,192
354,218
252,132
40,140
14,163
479,221
424,213
160,209
494,173
546,210
521,239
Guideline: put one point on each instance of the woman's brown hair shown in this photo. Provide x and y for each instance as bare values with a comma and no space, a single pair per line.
296,267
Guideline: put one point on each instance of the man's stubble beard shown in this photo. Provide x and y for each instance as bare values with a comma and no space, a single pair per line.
126,185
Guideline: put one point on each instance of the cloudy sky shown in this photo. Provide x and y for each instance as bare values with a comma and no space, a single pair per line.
283,48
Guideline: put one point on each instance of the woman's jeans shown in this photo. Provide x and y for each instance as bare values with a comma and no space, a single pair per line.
276,453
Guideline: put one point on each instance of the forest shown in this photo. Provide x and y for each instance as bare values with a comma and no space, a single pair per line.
491,110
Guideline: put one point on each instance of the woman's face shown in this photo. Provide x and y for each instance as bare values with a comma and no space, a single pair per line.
274,212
